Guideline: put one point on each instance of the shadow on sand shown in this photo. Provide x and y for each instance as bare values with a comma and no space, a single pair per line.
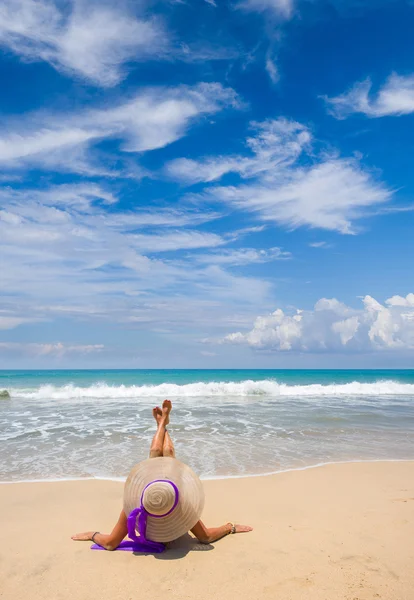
180,548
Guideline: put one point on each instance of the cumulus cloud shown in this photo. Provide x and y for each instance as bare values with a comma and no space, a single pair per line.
408,301
394,98
152,119
284,181
93,40
335,327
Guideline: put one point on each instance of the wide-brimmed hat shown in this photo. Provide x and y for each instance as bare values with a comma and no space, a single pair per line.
169,493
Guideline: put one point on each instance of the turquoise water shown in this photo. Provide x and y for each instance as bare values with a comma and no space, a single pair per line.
63,424
157,376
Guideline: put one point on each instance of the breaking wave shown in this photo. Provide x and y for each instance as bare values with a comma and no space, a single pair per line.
246,388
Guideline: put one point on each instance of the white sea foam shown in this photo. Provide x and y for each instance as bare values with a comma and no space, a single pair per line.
245,388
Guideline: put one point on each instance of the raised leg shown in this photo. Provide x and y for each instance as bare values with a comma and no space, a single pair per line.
157,445
168,447
161,446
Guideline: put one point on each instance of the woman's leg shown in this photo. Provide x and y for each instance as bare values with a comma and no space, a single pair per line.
168,447
157,445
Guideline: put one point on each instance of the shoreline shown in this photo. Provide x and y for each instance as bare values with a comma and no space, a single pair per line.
222,477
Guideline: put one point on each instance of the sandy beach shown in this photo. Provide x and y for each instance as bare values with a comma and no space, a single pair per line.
343,531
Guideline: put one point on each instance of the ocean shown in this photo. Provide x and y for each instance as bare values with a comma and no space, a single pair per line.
98,423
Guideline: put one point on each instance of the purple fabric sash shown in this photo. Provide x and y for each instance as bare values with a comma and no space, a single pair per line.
137,521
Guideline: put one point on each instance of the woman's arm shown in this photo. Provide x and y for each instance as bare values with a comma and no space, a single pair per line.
109,541
207,535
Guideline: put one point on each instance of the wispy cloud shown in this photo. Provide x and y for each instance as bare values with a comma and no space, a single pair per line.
330,195
395,98
271,68
176,240
67,253
274,145
8,322
152,119
286,182
243,256
281,8
333,326
90,39
319,245
233,288
56,349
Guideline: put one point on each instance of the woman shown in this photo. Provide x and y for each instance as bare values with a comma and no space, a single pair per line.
152,486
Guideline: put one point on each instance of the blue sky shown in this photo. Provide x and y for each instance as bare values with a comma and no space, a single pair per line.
206,184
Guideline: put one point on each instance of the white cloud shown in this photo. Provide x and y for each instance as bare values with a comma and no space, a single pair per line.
394,98
191,171
328,196
201,52
272,69
66,253
334,327
225,286
287,183
162,217
12,322
242,256
78,216
96,41
401,301
319,245
152,119
56,349
176,240
87,38
274,145
280,8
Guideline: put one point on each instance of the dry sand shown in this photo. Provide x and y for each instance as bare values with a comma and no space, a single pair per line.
342,531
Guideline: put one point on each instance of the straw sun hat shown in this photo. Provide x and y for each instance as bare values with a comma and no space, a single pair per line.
167,494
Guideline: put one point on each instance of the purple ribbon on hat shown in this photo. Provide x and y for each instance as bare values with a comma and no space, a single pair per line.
137,521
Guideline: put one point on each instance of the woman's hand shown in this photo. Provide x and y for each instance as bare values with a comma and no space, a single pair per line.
83,537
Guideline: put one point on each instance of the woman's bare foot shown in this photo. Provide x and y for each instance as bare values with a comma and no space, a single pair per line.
166,409
157,414
83,537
